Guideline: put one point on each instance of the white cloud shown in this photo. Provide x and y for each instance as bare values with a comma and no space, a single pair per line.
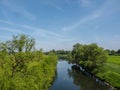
42,32
82,21
34,31
85,3
10,30
111,43
5,14
110,6
4,38
58,8
11,5
55,5
43,37
81,3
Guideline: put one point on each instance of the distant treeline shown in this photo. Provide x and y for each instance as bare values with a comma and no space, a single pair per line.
113,52
66,52
62,54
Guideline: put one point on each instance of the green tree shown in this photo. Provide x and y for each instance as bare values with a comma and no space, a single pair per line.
23,43
113,52
24,69
3,46
89,56
19,43
118,51
108,51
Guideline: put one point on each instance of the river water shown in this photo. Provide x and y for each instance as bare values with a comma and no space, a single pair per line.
69,79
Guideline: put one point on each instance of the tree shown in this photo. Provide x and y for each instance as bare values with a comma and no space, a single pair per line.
108,51
112,52
77,52
89,56
118,51
23,42
24,69
3,47
29,45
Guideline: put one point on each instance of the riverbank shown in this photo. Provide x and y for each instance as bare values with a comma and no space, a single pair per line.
109,74
111,71
88,73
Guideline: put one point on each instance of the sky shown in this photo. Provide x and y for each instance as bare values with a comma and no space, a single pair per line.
59,24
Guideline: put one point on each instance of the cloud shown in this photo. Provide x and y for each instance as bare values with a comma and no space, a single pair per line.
10,30
4,38
82,21
58,8
85,3
12,6
9,23
43,37
108,42
34,31
42,32
55,5
110,6
5,14
81,3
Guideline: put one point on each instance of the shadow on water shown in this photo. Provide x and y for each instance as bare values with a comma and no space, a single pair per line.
70,77
84,81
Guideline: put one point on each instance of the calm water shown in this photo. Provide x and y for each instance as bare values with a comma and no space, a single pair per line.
68,79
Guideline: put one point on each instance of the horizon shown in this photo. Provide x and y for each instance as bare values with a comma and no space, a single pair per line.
59,24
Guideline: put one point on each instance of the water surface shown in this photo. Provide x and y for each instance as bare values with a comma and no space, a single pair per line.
69,79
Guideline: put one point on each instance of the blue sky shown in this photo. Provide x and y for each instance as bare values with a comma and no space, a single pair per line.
59,24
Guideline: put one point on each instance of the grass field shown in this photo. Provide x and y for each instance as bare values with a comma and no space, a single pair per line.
114,59
111,71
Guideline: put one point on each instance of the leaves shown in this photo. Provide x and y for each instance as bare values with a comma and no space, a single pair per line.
23,69
90,56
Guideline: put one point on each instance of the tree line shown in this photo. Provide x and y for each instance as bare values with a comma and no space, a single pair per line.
62,54
113,52
22,67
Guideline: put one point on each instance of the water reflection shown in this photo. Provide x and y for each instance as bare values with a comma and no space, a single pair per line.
84,82
68,78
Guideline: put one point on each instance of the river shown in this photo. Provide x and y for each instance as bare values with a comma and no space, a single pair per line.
69,79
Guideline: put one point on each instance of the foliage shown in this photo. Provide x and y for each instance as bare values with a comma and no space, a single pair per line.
19,43
25,69
62,54
111,72
89,56
94,58
118,51
113,52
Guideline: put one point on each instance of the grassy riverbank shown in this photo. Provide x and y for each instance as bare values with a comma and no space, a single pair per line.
111,71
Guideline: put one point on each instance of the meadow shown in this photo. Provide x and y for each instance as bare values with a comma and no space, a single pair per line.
111,71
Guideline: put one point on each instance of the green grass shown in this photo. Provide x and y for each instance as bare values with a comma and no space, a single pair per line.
111,71
114,59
